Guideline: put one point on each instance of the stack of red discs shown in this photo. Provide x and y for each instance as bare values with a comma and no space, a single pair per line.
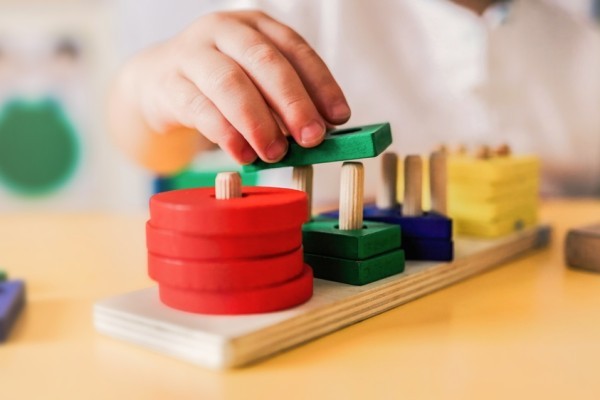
234,256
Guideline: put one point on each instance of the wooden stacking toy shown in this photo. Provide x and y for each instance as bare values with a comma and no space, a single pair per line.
229,250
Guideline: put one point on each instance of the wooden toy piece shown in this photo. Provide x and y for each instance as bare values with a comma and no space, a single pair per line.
3,275
413,187
302,178
425,236
228,185
350,251
438,179
221,342
192,237
351,196
12,300
387,185
203,172
461,149
325,238
251,301
197,211
483,152
495,196
429,225
357,272
441,148
428,249
502,151
225,274
173,244
338,145
582,248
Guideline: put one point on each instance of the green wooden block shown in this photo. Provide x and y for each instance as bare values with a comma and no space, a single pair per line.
323,237
3,275
339,145
356,272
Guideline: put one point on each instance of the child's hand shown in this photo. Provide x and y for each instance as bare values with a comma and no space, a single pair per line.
239,78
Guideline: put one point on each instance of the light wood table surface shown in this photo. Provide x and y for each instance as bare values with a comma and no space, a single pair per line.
529,329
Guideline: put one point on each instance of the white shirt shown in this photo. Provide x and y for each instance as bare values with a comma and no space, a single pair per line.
440,74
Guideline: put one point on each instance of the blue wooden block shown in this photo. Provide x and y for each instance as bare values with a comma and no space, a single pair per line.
428,249
12,299
429,225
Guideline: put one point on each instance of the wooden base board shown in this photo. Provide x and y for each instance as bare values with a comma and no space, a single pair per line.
223,341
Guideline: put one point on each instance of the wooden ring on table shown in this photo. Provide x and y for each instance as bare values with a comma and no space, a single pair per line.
259,210
174,244
254,301
226,274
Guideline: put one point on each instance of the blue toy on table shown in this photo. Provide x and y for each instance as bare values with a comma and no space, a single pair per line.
12,300
426,237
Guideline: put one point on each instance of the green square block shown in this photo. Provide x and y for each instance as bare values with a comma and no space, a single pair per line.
322,237
3,276
339,145
356,272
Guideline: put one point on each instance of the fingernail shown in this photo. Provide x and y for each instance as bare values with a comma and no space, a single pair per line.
248,155
277,149
340,111
312,133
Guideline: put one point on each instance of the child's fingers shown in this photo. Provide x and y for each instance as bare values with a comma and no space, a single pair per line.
318,80
275,78
194,110
228,87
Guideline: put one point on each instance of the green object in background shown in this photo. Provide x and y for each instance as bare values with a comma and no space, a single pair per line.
3,275
203,172
194,179
39,150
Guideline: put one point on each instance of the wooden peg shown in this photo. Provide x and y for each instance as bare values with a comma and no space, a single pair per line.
503,150
441,148
413,186
483,153
302,177
228,185
386,198
438,181
462,149
351,196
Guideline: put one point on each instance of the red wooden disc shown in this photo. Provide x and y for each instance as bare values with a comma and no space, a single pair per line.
226,274
169,243
259,210
253,301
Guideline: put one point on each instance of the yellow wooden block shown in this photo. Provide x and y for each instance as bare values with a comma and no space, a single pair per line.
491,211
461,192
496,228
467,169
493,197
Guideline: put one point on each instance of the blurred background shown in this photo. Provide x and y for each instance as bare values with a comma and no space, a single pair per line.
57,58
